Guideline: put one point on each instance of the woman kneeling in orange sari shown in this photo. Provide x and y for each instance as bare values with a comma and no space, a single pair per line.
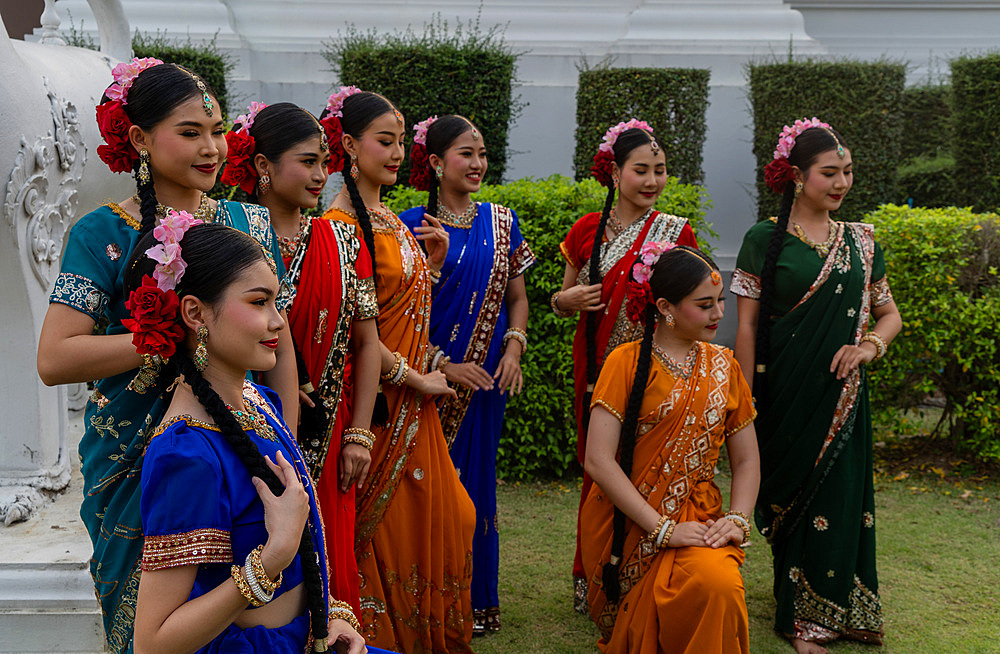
661,556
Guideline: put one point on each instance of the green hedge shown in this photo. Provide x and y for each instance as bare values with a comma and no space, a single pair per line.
975,84
861,100
205,59
539,436
942,267
929,181
926,121
466,71
672,100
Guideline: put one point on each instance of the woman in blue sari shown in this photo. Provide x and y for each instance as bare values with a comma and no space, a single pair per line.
479,313
163,124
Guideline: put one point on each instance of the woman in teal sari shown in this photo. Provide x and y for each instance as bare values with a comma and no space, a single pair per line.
162,123
809,287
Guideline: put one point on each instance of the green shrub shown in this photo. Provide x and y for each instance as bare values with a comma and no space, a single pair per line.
205,59
942,267
926,121
861,100
928,181
539,435
672,100
468,71
975,84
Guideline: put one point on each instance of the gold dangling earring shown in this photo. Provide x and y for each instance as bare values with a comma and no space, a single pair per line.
669,320
201,352
143,174
798,189
354,167
615,181
265,184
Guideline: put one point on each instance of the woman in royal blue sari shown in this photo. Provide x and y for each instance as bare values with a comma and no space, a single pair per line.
160,122
479,314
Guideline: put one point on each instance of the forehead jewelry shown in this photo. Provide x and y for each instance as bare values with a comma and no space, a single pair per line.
206,99
840,148
653,144
324,145
399,116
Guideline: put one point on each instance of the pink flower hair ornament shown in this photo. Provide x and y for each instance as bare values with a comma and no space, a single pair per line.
601,170
334,130
239,170
778,173
245,121
639,294
112,121
125,73
421,175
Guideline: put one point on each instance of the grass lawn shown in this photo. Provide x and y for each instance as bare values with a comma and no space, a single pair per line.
939,566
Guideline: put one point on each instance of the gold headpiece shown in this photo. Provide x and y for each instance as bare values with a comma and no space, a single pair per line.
206,99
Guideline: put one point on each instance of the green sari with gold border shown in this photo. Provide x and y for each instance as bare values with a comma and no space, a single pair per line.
816,504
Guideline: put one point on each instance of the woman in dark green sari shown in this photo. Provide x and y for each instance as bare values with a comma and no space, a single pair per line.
809,288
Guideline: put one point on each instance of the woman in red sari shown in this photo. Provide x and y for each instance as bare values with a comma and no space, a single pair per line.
279,154
630,161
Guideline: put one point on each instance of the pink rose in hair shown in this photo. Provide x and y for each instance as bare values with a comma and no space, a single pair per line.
125,73
421,130
335,102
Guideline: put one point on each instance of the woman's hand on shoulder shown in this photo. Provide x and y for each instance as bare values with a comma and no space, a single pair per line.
581,298
344,639
469,374
285,515
688,534
433,383
722,532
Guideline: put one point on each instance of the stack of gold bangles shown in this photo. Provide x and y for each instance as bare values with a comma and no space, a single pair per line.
518,335
741,520
876,340
359,436
553,302
252,580
343,611
399,371
661,533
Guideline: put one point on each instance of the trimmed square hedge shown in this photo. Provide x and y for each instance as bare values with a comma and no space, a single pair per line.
975,85
672,100
861,100
468,72
926,121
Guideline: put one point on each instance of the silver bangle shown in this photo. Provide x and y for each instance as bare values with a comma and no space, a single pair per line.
662,533
255,587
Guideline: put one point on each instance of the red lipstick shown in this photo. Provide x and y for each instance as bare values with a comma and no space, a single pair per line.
273,343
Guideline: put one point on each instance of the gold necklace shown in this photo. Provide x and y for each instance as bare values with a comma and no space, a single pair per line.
383,214
464,219
682,370
203,213
288,245
822,249
616,224
251,420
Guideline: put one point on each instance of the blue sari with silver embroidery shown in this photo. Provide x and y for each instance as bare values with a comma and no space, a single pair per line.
120,417
468,322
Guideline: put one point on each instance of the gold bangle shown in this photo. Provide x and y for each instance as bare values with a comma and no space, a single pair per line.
258,570
742,521
359,436
553,302
667,535
244,586
876,340
343,610
656,530
395,368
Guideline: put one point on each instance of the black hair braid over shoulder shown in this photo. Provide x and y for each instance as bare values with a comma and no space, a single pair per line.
590,332
432,196
762,345
251,457
630,423
364,220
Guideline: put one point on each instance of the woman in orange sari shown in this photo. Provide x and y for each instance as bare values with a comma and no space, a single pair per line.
415,521
279,154
631,162
662,557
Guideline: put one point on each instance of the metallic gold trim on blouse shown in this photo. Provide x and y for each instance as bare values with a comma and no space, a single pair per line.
80,293
880,293
367,299
124,215
745,284
206,545
613,411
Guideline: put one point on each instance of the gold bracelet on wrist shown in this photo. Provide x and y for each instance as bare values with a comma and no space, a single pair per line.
395,368
244,586
876,340
343,610
666,536
518,335
261,574
741,520
554,303
359,436
656,530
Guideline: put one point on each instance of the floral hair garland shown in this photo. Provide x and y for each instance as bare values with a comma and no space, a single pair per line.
334,130
154,305
779,172
421,174
605,156
113,122
639,294
240,170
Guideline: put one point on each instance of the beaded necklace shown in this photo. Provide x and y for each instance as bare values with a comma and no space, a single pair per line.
203,213
252,420
615,223
682,370
464,219
822,249
288,245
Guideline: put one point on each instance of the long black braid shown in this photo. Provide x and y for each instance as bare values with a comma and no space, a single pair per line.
675,276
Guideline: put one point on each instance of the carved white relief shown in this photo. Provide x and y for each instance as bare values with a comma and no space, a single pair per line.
41,197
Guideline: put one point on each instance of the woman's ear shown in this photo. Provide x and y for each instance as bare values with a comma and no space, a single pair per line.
261,164
193,312
663,307
350,145
799,175
138,138
435,161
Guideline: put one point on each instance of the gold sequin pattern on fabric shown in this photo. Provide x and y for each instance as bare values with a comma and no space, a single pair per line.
190,548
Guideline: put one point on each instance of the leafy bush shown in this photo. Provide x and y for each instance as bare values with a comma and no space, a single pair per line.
926,121
539,435
468,71
943,271
975,84
861,100
929,181
672,100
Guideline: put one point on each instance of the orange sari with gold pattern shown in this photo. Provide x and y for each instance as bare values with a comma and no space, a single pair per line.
685,599
415,521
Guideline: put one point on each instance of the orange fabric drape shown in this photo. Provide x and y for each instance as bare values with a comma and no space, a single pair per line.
415,521
688,599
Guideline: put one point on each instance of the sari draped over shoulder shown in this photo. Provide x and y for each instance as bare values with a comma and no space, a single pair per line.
816,504
330,286
468,322
414,521
613,326
687,599
122,412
